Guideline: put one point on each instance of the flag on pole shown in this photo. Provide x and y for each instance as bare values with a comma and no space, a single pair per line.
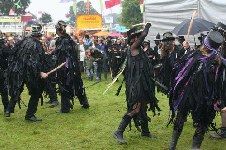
141,6
111,3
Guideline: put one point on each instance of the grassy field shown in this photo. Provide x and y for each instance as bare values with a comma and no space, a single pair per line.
92,129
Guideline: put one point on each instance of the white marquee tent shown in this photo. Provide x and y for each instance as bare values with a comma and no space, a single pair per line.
166,14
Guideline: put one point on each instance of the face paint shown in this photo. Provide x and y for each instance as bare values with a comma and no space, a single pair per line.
168,44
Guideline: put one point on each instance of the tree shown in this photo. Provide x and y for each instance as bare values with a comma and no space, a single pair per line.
130,13
18,6
81,10
46,18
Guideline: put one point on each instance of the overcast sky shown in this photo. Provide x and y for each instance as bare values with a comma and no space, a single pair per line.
58,10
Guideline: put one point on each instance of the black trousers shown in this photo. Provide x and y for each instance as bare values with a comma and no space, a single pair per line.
51,89
34,91
4,93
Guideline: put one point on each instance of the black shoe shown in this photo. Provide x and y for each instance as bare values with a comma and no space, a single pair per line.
119,137
7,113
33,119
148,135
54,104
86,106
60,111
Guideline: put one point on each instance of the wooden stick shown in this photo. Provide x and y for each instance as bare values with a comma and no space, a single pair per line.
191,23
55,69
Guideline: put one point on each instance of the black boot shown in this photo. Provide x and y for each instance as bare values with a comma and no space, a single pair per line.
83,101
118,134
5,100
221,134
175,137
197,139
145,130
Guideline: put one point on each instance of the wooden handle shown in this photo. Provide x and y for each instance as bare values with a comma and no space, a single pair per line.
55,69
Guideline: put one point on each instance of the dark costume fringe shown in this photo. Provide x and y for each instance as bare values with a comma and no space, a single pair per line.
25,65
69,77
196,86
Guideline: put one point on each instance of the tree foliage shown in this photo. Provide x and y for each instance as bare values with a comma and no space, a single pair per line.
46,18
18,6
81,10
130,13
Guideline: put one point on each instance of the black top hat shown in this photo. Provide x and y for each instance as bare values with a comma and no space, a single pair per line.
168,36
157,38
213,40
221,25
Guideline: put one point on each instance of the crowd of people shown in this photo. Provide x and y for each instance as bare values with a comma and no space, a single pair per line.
193,78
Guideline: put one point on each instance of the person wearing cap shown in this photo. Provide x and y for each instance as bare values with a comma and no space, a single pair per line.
26,67
69,76
221,132
4,54
138,81
196,87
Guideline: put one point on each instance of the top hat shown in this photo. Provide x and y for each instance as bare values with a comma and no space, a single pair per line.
157,38
221,26
168,36
213,40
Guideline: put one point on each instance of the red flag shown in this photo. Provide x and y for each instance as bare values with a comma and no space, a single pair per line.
141,1
111,3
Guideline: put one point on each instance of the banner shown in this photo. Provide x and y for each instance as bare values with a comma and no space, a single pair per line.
89,21
10,18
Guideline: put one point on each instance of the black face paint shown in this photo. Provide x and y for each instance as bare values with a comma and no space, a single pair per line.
168,44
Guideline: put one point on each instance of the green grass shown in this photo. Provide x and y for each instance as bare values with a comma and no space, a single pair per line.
92,129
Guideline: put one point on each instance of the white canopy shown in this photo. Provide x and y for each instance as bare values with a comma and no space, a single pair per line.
166,14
